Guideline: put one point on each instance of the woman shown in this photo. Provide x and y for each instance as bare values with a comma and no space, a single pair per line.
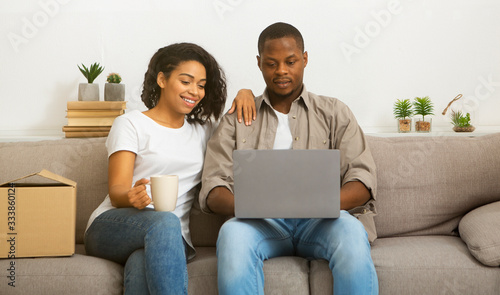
184,88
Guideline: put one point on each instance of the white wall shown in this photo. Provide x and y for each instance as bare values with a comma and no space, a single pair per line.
368,53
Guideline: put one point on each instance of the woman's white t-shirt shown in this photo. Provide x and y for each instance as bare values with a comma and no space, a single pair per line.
161,151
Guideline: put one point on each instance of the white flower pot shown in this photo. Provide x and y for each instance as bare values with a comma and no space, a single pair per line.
88,91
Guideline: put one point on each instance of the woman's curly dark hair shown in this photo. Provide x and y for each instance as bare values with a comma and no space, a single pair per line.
167,59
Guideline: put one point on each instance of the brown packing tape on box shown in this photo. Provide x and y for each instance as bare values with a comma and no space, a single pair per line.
37,216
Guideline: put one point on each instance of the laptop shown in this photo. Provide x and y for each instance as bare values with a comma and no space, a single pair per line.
286,183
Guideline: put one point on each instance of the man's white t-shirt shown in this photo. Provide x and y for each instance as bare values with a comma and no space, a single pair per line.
161,151
283,139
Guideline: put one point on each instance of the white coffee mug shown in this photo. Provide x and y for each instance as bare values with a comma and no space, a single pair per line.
164,189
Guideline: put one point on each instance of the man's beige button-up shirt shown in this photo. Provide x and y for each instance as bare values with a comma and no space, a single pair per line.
316,122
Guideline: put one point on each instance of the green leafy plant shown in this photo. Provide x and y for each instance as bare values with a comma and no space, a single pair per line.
114,78
458,119
402,109
92,72
423,106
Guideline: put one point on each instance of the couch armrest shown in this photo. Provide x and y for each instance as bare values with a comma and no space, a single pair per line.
480,230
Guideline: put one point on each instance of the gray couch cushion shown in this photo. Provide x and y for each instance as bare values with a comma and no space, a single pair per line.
286,275
420,265
320,278
459,173
283,275
68,158
480,230
202,272
431,265
78,274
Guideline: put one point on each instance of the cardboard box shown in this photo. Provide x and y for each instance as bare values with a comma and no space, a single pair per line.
37,216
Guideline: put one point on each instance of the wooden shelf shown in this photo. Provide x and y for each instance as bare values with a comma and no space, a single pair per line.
38,135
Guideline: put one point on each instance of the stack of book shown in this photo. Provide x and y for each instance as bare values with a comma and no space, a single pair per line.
92,118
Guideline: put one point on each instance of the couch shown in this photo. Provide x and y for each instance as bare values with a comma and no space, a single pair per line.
438,222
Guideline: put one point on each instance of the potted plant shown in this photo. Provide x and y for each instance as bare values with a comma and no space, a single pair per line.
113,90
89,91
423,106
461,122
403,112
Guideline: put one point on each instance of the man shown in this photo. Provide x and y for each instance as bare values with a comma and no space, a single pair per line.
290,117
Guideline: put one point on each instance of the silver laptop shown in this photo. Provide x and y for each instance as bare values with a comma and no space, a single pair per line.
286,183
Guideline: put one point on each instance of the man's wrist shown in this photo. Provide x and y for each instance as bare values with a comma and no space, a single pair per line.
220,200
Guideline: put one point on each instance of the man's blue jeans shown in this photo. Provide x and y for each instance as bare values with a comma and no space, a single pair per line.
148,243
244,244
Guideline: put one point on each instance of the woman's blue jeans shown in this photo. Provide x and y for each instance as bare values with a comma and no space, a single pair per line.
244,244
150,245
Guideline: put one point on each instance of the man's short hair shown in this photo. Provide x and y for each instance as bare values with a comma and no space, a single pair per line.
280,30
